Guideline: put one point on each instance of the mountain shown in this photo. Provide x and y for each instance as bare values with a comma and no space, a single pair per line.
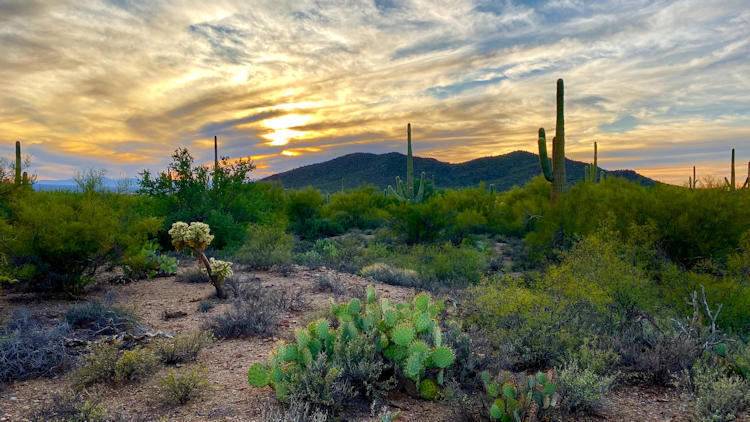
123,185
504,171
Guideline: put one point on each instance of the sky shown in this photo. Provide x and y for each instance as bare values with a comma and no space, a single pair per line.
119,84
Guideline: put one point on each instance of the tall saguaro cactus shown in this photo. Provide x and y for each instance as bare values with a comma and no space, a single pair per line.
693,181
556,172
405,192
592,170
216,162
18,178
731,184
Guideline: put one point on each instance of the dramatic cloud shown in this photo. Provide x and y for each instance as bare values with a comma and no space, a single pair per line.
119,84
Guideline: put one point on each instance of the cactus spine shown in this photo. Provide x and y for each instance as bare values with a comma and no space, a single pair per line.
592,170
18,179
556,172
405,192
731,184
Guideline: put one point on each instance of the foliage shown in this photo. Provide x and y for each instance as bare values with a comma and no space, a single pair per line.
217,196
56,240
177,388
28,349
205,305
512,397
135,365
147,262
388,274
95,316
362,208
183,348
719,397
297,411
303,211
265,247
403,336
72,407
99,365
581,388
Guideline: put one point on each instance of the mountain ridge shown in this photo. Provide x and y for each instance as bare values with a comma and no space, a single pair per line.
504,171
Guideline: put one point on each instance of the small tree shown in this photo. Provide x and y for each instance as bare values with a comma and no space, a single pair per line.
196,237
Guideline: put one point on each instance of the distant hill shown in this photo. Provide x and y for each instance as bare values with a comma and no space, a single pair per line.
504,171
125,185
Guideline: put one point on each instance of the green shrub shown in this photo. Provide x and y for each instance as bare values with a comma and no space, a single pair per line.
71,407
56,240
719,397
596,354
183,348
178,388
135,365
147,262
205,305
362,208
581,388
327,364
303,211
297,411
98,366
388,274
265,247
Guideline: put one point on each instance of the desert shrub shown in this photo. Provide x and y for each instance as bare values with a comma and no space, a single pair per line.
183,348
450,265
196,237
56,240
719,397
656,354
72,407
324,253
391,275
518,396
98,366
265,247
331,284
255,311
297,411
326,365
28,349
135,365
95,316
596,354
531,328
146,262
362,208
581,388
178,388
303,211
191,275
205,305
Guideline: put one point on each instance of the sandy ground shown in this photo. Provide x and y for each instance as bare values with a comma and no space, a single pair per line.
231,397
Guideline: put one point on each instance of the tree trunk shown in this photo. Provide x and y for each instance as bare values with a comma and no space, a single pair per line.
214,280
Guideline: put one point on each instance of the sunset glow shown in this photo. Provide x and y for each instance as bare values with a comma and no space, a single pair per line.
662,86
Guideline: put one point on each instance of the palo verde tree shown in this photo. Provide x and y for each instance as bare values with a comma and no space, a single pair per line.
186,191
196,237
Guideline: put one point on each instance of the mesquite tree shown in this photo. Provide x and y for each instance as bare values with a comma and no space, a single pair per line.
196,237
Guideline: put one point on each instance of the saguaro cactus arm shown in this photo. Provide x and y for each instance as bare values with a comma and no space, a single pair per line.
543,158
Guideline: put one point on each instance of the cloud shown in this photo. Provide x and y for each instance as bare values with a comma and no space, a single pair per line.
120,84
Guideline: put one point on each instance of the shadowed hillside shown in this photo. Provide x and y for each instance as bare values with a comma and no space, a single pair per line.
504,171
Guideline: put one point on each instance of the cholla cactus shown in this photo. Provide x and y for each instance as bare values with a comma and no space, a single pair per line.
196,237
221,269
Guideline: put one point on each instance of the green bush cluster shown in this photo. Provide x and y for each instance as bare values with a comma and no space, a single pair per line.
179,387
719,397
581,387
105,363
182,348
147,262
265,247
406,337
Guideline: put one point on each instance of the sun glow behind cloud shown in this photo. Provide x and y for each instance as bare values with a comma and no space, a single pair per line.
662,86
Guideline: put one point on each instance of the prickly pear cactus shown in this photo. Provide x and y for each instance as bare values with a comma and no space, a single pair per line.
511,397
407,335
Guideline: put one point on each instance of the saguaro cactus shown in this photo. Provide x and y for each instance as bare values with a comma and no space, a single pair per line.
731,184
592,170
216,163
18,178
692,181
747,180
405,192
555,174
